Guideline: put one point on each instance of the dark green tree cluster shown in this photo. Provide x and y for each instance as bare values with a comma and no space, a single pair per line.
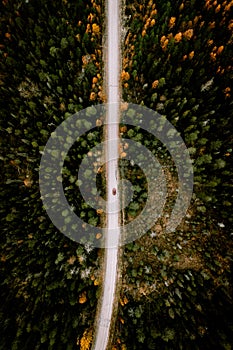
177,61
48,60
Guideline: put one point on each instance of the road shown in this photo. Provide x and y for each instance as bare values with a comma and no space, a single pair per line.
110,278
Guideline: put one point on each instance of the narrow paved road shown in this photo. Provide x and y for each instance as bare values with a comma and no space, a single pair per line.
110,278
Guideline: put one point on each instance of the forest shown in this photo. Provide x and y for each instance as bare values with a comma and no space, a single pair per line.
176,290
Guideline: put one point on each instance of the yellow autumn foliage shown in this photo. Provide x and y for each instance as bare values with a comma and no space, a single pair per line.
212,25
86,59
188,34
95,28
164,46
213,56
181,7
27,182
124,301
218,8
123,128
125,75
227,91
230,26
99,211
191,55
94,80
92,96
152,23
163,38
220,49
82,298
122,320
153,13
71,260
98,236
86,340
178,37
90,17
88,28
172,22
155,84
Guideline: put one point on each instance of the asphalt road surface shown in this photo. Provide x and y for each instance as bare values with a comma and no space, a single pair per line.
112,74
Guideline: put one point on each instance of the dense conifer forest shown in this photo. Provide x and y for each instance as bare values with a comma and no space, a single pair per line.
176,290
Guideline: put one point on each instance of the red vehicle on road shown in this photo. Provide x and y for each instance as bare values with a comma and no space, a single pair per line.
114,191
